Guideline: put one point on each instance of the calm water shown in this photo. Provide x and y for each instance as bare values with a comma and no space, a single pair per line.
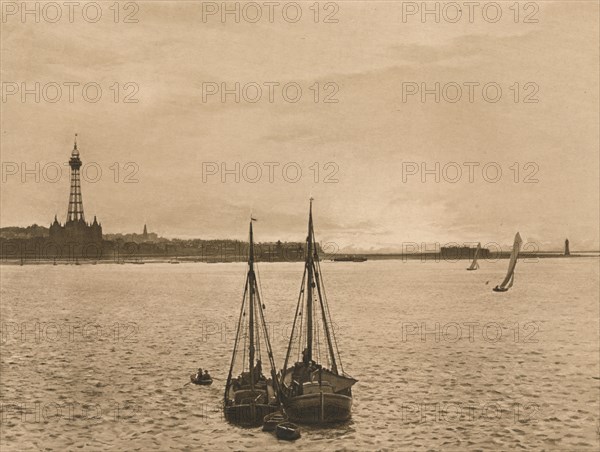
98,357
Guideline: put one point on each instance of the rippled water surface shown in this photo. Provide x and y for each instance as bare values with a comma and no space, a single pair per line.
97,357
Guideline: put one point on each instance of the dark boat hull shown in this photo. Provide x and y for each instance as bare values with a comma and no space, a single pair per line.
319,408
271,421
248,415
287,431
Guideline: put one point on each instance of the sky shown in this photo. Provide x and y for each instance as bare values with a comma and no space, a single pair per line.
155,144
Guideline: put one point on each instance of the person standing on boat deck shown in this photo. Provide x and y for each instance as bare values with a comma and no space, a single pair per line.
258,370
199,373
305,358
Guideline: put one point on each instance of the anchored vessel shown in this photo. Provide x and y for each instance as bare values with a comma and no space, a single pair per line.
313,391
510,275
475,264
350,259
251,396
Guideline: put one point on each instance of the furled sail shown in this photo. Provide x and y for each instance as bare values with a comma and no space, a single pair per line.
509,279
337,382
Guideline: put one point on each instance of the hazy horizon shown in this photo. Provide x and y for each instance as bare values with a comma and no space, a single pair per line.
361,144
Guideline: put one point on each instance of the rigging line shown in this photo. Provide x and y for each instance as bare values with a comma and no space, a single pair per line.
295,318
263,326
269,349
235,344
326,304
258,353
246,323
240,320
318,333
259,291
324,332
335,342
301,326
325,307
258,349
316,325
326,322
259,286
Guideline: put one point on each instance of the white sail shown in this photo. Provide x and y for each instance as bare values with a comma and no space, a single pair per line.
508,280
475,264
512,280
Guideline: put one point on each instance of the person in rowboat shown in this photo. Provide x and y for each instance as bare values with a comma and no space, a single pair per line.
206,376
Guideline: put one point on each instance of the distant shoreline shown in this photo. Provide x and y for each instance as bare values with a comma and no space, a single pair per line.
426,257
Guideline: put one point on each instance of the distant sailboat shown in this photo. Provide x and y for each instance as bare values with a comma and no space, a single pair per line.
510,275
311,392
475,264
251,396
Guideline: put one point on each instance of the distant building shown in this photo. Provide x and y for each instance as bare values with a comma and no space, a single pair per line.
145,233
462,252
567,251
75,228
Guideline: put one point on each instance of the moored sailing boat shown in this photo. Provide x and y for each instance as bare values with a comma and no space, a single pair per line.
251,396
475,264
510,275
310,391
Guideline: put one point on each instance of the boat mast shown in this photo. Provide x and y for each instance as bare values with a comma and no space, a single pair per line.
309,287
252,284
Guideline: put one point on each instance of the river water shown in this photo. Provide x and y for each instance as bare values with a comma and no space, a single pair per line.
97,357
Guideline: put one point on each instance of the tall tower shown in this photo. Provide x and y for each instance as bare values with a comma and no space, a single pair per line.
76,230
567,251
75,201
145,233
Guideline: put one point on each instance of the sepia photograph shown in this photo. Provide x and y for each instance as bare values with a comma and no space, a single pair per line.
354,225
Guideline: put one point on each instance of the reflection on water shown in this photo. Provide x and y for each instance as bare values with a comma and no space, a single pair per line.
95,357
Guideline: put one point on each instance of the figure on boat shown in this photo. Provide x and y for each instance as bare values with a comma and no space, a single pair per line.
314,390
510,275
251,396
